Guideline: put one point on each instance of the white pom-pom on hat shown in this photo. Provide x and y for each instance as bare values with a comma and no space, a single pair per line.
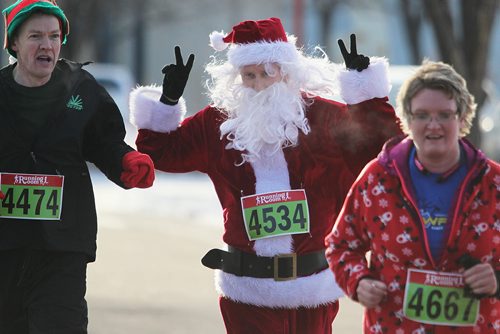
217,40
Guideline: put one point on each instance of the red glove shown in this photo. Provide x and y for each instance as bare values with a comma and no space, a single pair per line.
138,170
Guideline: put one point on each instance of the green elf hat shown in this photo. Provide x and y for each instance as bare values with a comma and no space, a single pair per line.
18,12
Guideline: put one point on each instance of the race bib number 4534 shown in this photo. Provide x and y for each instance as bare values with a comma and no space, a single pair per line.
439,298
31,196
277,213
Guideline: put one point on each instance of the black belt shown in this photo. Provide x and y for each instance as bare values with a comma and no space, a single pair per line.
282,267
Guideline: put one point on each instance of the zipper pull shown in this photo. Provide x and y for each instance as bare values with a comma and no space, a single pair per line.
33,156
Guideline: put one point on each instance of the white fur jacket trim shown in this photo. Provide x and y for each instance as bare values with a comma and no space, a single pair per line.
356,87
147,112
310,291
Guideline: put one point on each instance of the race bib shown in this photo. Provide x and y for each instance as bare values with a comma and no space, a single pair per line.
31,196
439,298
277,213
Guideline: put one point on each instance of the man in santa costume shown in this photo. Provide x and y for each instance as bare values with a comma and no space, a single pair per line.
281,159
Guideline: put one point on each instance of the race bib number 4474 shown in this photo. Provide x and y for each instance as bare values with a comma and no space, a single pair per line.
277,213
439,298
31,196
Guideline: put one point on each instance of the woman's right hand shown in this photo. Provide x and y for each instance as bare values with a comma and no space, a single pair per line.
371,292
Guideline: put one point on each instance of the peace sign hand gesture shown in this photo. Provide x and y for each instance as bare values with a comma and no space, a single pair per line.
353,60
175,78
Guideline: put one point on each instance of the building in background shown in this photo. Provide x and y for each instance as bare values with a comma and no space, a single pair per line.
141,36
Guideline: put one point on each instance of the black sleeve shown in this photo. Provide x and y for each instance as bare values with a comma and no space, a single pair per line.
104,143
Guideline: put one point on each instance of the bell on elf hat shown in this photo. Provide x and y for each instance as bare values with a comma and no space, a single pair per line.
21,10
256,42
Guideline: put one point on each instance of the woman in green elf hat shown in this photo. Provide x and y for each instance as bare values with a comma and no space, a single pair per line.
54,118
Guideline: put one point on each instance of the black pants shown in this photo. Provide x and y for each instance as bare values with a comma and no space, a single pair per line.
43,292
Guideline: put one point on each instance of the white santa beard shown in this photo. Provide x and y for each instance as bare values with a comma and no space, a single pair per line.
262,123
265,121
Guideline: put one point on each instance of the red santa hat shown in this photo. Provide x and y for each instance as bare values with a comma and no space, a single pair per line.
256,42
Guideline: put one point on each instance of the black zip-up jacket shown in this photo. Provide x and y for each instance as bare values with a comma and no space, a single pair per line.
87,126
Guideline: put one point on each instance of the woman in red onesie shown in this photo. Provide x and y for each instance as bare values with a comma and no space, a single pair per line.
427,210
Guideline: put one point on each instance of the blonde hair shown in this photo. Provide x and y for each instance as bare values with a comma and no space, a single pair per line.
437,76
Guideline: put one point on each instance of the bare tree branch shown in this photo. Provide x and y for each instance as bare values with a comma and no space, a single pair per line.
413,22
449,44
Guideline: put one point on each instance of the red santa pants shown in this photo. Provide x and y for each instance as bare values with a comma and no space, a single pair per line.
242,318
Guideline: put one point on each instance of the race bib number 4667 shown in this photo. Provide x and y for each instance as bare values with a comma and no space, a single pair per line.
277,213
439,298
31,196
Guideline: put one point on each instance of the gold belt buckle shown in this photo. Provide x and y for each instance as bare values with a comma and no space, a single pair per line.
293,256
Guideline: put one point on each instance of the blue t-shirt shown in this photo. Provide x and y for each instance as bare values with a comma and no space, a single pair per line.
435,195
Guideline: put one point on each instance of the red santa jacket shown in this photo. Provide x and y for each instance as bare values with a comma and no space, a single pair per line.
379,216
324,163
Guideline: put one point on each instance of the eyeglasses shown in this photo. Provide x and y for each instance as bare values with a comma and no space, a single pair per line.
441,117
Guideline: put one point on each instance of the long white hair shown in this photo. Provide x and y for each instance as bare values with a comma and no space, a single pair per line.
263,122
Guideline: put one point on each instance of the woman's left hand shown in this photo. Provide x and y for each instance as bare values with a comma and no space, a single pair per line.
481,279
